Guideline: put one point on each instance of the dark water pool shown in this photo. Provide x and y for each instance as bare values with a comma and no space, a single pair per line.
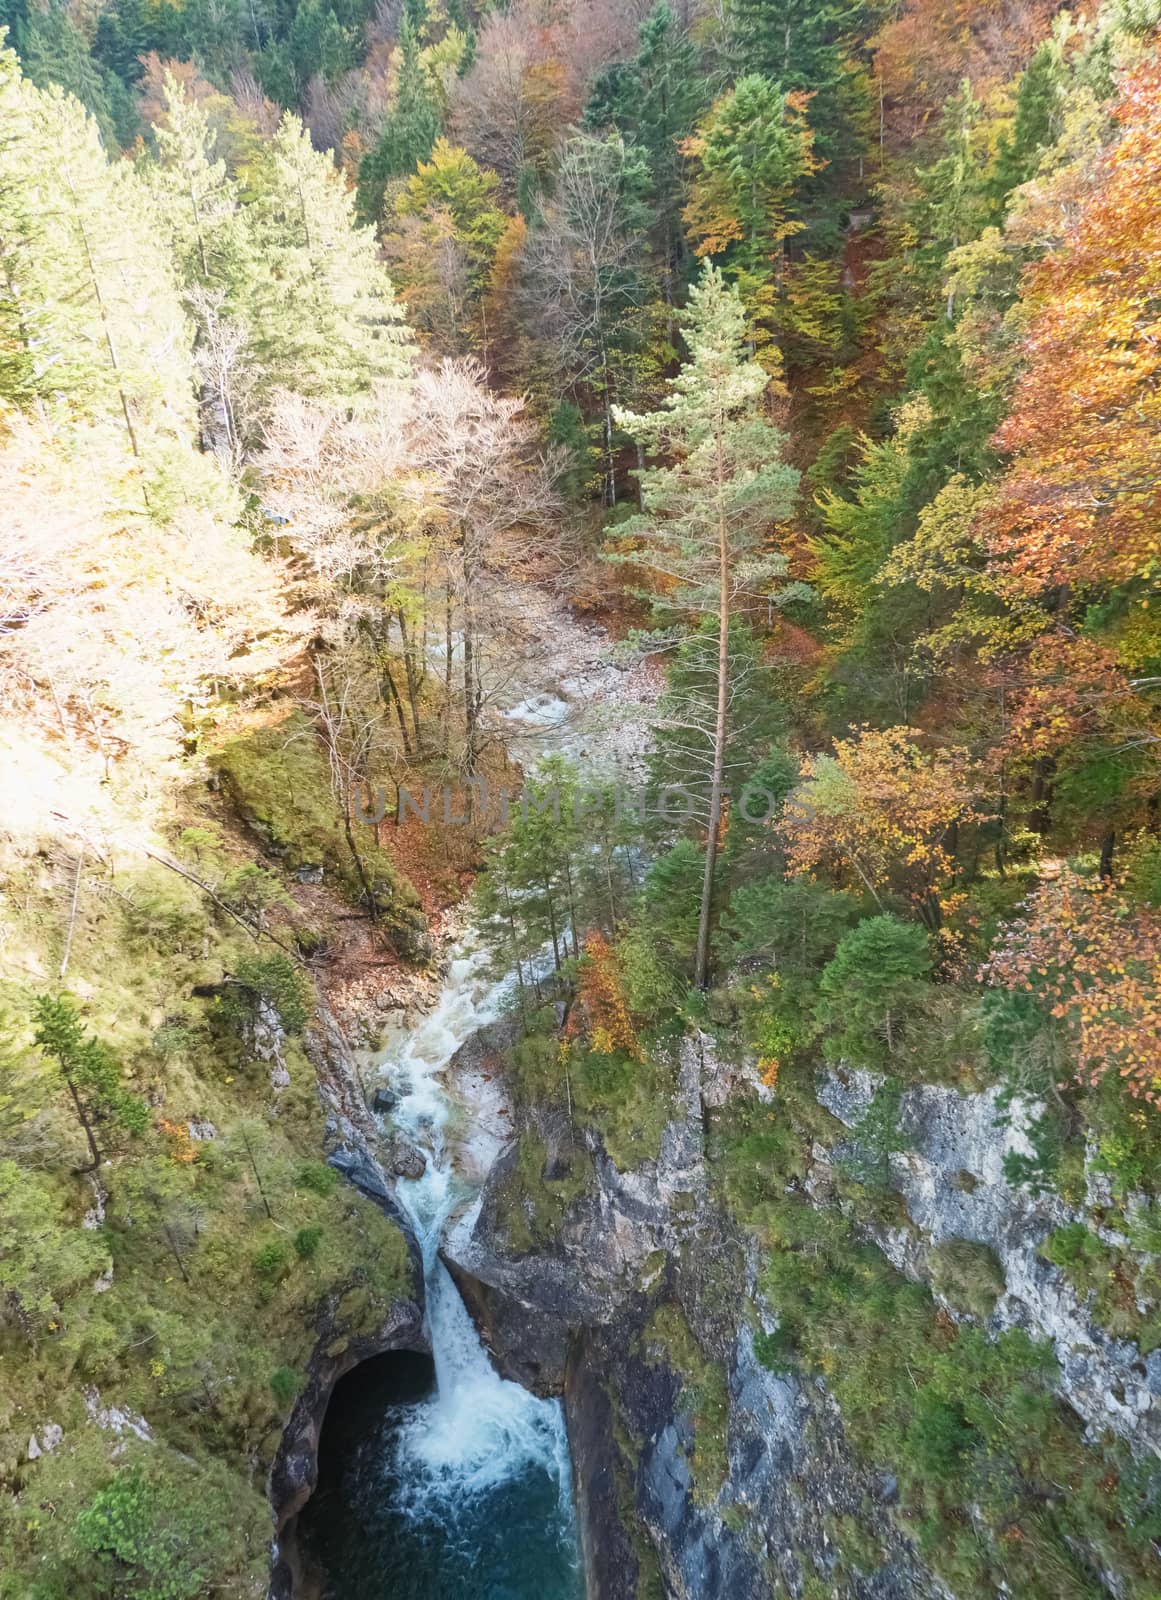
376,1530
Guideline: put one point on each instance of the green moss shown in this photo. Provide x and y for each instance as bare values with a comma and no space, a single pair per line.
1113,1279
860,1549
650,1585
532,1205
967,1275
187,1335
278,780
629,1102
704,1395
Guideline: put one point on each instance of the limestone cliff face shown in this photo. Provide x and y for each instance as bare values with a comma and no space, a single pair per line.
699,1472
951,1180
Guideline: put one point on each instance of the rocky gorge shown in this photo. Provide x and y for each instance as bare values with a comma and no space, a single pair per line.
632,1290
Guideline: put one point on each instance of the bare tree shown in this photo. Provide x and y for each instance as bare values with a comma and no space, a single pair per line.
512,106
489,479
336,474
222,360
585,269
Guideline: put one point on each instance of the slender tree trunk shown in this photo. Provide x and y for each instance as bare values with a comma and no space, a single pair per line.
471,668
701,963
571,906
83,1118
413,675
1108,848
447,670
257,1174
174,1251
392,697
552,927
110,344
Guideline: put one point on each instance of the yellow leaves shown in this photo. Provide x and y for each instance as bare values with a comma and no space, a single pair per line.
602,1003
182,1150
769,1068
1110,949
881,806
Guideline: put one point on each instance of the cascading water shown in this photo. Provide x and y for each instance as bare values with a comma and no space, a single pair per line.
465,1492
462,1490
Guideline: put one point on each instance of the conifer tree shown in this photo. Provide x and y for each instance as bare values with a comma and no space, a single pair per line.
805,46
89,306
706,525
200,214
655,99
752,150
408,134
324,313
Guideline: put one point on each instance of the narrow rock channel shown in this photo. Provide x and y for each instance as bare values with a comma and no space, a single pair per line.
439,1477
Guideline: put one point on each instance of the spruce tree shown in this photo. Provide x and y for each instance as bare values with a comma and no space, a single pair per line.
808,45
408,134
705,529
655,99
325,316
88,305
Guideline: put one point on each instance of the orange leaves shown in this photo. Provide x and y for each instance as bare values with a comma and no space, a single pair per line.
1081,501
602,1002
1094,958
182,1150
883,808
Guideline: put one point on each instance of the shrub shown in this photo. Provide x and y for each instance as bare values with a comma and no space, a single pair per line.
306,1242
271,1263
285,1384
875,1137
273,979
317,1177
878,976
158,1531
967,1275
1074,1249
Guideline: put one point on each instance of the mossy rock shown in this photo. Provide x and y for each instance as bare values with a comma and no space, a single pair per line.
967,1275
277,779
705,1396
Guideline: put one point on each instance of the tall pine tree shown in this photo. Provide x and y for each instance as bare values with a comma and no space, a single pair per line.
706,527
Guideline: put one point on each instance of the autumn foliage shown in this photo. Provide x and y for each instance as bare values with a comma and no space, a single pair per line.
1095,957
601,1001
1081,500
884,809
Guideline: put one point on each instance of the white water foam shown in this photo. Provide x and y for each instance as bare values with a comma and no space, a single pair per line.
479,1430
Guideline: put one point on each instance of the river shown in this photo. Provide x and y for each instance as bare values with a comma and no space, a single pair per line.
442,1480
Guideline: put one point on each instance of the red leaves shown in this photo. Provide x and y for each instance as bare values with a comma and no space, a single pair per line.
600,999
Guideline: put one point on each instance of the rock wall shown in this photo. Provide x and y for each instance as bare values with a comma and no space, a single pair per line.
699,1474
294,1473
951,1180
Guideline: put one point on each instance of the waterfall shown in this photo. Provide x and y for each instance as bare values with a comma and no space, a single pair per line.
479,1434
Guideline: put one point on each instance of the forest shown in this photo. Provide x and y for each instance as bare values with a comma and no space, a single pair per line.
811,350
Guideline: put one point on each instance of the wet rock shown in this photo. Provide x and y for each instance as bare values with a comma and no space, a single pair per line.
407,1159
361,1169
294,1473
587,1289
383,1100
